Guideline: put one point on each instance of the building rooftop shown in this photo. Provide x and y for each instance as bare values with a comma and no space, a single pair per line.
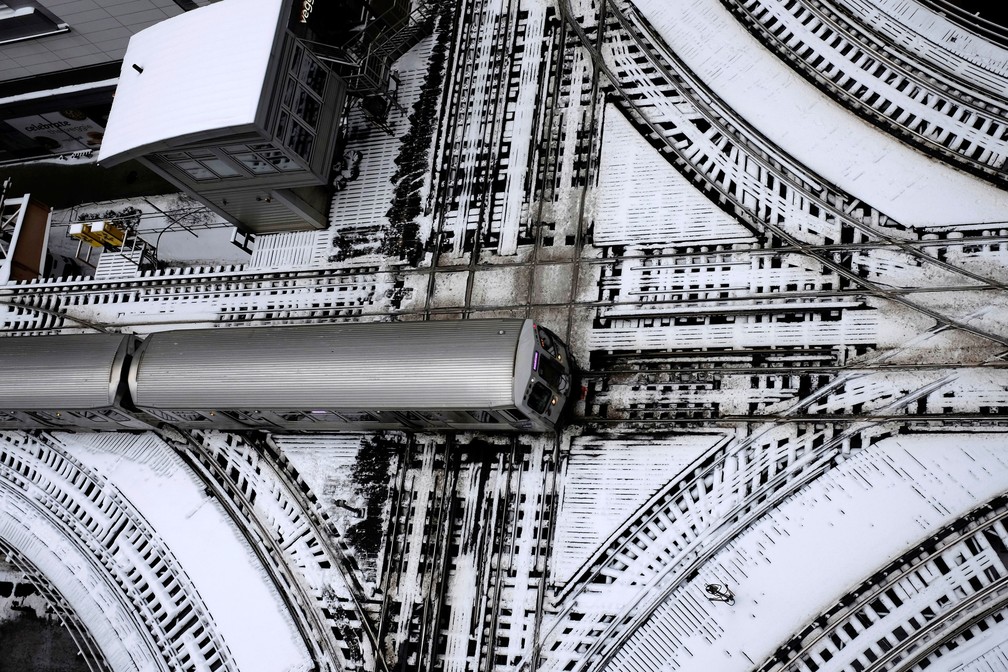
190,76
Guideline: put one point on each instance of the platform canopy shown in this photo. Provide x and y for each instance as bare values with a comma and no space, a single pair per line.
198,75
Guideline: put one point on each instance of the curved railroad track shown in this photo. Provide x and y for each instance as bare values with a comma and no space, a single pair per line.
877,79
949,596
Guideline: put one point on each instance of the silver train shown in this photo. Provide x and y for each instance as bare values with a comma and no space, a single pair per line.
461,375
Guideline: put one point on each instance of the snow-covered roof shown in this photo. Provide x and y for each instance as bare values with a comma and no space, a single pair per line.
191,75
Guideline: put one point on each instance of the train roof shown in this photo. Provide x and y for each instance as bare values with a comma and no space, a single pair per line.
381,365
79,371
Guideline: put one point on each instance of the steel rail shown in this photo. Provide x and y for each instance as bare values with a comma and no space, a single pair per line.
772,155
311,314
385,567
999,604
808,250
794,370
88,648
929,69
984,170
288,477
741,516
316,637
124,594
898,570
498,543
696,553
433,605
89,286
855,426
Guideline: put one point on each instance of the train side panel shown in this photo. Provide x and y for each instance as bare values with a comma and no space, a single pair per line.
476,375
365,376
65,382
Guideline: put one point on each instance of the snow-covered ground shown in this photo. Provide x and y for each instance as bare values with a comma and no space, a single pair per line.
606,480
645,202
880,423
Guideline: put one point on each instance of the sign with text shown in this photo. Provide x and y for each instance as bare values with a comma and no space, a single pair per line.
60,132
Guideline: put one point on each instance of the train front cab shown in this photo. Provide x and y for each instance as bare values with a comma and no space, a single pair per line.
543,378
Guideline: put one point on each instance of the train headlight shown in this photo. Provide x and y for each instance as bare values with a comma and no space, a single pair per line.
553,401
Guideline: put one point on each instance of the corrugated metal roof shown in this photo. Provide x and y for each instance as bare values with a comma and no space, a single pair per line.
199,72
58,372
404,365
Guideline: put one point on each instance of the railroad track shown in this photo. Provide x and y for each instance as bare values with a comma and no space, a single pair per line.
547,131
564,95
818,195
87,647
471,149
874,78
816,389
775,303
697,516
320,639
603,635
782,466
702,159
311,294
683,613
139,569
966,624
324,532
465,538
600,636
393,561
815,195
535,657
689,417
440,563
501,530
952,72
199,283
500,555
954,595
812,368
416,558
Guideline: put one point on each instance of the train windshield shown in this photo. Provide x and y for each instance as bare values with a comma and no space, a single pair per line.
539,398
551,372
548,341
